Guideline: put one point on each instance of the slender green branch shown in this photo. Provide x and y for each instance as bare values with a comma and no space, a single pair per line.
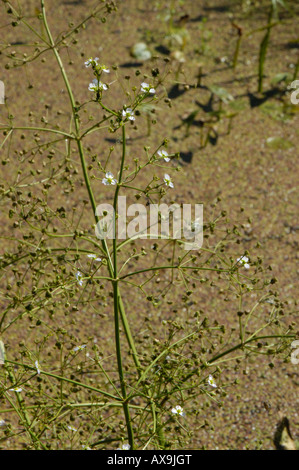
159,268
64,379
37,129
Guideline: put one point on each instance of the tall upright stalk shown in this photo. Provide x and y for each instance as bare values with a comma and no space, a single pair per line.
238,44
116,301
263,50
112,265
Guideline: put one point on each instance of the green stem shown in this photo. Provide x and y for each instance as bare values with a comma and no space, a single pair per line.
237,50
263,51
116,304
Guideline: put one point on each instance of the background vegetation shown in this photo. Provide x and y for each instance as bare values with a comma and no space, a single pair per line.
99,353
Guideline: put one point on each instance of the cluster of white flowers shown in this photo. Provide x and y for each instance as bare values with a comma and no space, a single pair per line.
71,428
79,278
80,348
127,113
211,381
168,181
146,88
94,64
109,179
91,62
244,260
178,410
163,154
96,85
92,256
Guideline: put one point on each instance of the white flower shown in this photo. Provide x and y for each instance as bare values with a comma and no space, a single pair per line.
79,276
91,61
168,181
178,410
145,88
71,428
164,154
124,447
2,422
102,86
211,381
79,348
95,65
109,179
103,68
96,85
128,114
244,260
86,447
37,367
17,389
93,86
94,257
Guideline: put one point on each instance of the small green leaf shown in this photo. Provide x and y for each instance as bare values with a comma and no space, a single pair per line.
279,143
222,93
277,111
281,77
